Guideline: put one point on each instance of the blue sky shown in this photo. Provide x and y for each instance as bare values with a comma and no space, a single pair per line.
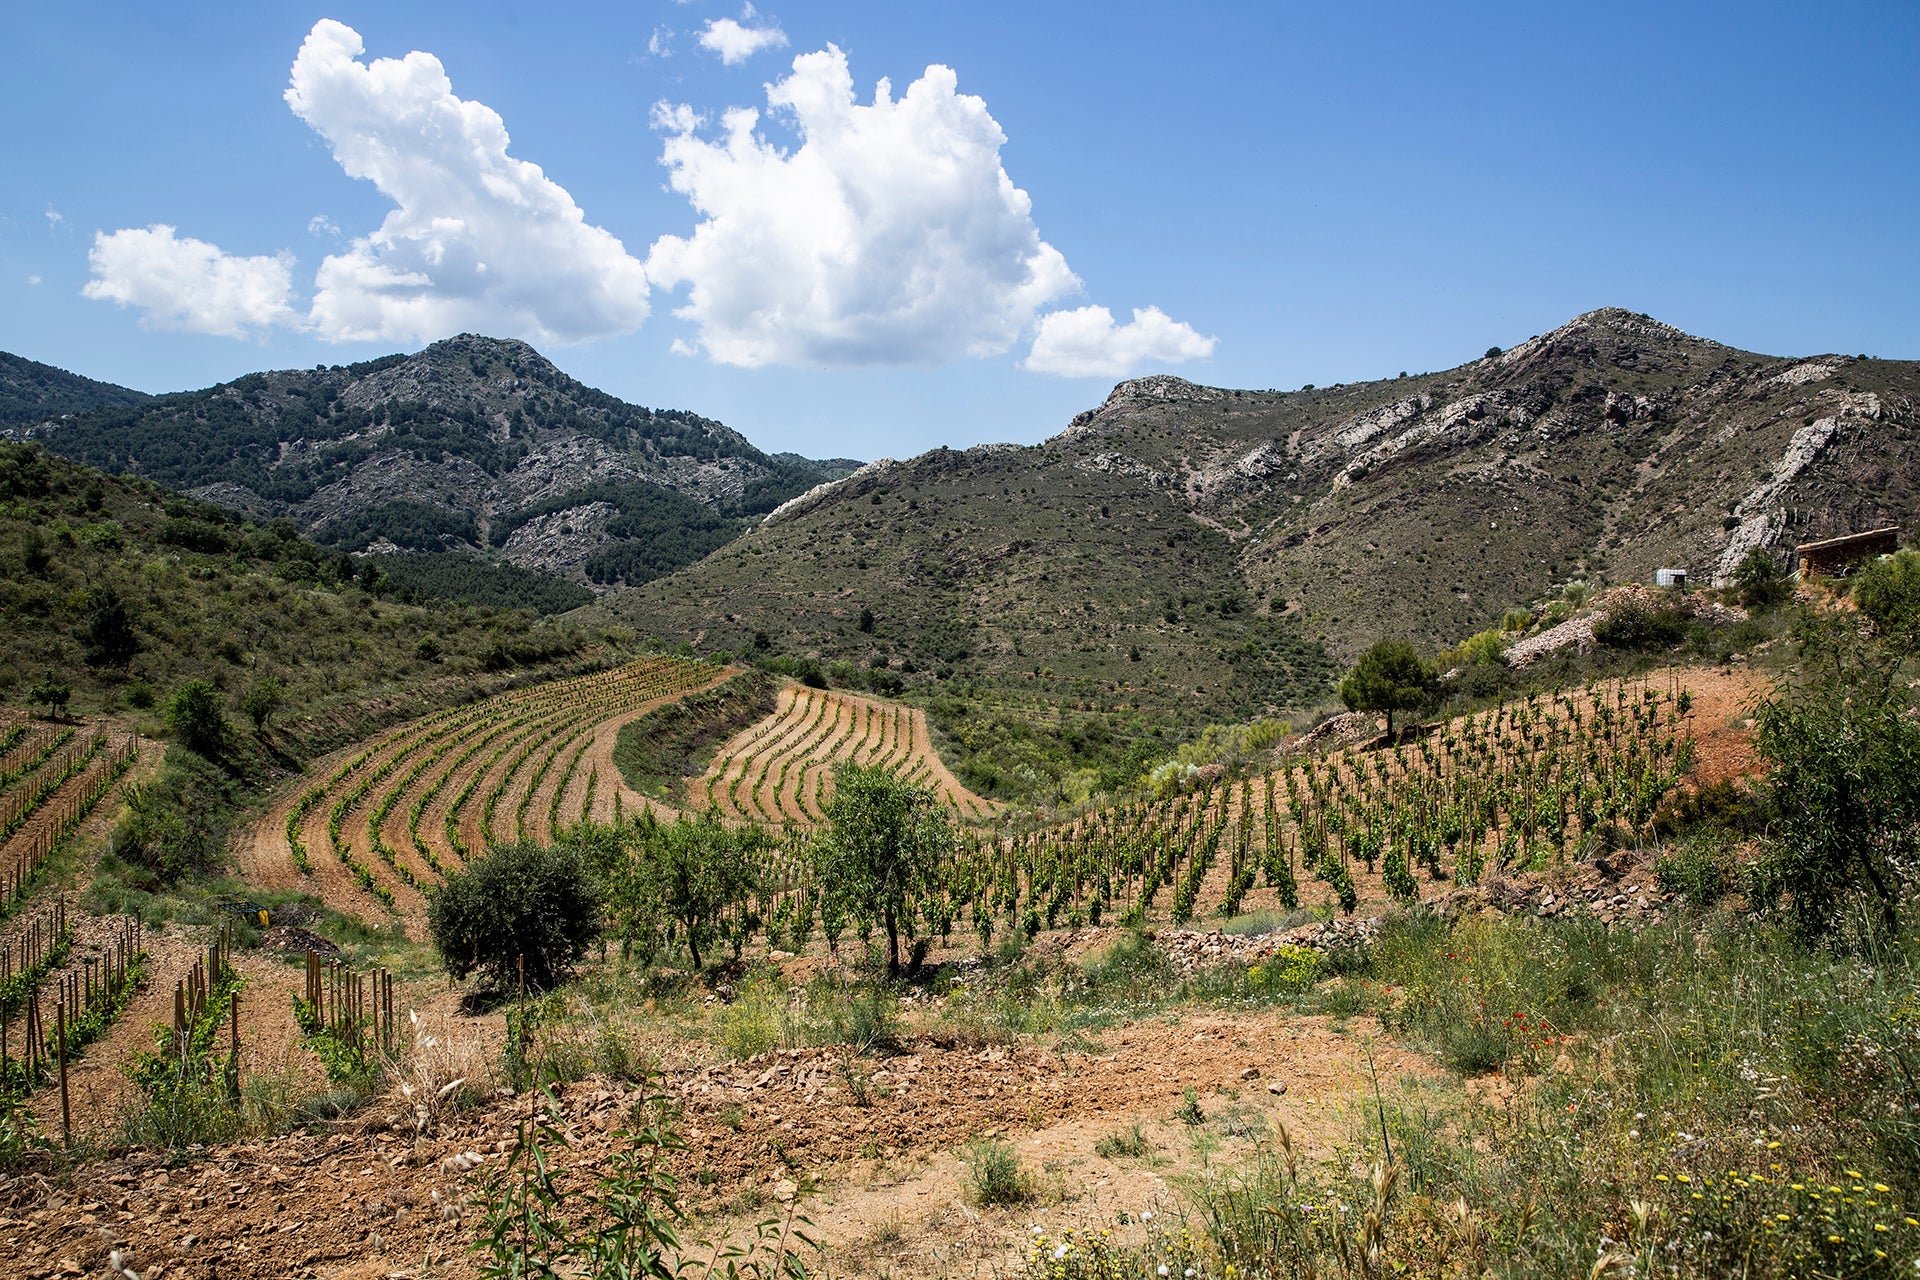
1287,193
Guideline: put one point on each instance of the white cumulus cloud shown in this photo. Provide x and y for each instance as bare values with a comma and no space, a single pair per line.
1085,342
189,285
477,240
735,42
890,234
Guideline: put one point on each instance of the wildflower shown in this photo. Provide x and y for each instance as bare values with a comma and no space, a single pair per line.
1146,1215
1163,1270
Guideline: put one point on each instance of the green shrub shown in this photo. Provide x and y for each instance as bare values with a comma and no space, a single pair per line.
195,717
1699,869
520,900
995,1175
1130,1143
1634,627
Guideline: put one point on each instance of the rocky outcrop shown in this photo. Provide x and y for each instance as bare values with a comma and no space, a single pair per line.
1758,512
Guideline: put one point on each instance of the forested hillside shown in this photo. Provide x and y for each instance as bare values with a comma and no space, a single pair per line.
472,444
125,593
32,392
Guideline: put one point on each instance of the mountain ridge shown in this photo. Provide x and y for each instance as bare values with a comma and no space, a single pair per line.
1183,523
472,443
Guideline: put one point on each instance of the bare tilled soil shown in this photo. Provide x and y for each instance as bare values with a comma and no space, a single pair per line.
866,1148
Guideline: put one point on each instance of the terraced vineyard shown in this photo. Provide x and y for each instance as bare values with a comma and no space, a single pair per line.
51,777
377,822
1509,790
781,770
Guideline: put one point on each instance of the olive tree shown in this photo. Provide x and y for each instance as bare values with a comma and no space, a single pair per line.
519,900
882,850
691,879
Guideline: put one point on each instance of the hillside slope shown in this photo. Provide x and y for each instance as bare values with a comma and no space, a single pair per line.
1216,533
32,392
126,592
472,443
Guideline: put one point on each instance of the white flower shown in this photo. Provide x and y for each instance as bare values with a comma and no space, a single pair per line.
1059,1252
1163,1269
1036,1228
1146,1215
1633,1133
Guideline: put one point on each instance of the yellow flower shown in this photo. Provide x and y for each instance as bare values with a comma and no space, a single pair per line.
1882,1187
1833,1239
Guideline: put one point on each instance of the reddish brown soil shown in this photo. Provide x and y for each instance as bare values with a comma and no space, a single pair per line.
362,1202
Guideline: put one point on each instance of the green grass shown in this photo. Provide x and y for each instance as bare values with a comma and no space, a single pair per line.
995,1175
1702,1098
658,751
1130,1143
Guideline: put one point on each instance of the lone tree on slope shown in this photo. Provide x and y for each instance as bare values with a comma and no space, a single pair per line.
1389,677
885,841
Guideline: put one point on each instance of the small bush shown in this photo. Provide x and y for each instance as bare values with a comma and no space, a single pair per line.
1130,1143
752,1025
1699,870
1289,971
195,718
519,900
1633,627
995,1175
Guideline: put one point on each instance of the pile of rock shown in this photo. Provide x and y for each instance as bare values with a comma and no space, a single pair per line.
1348,724
1577,632
1191,949
1617,889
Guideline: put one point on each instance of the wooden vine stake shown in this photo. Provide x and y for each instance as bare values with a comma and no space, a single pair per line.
66,1115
